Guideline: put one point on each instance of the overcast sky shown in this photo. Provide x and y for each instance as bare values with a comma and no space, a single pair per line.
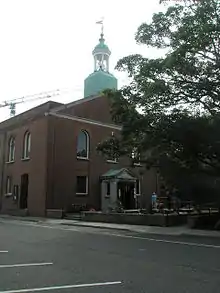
47,44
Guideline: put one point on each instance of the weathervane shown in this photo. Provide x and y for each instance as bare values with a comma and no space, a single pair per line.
101,21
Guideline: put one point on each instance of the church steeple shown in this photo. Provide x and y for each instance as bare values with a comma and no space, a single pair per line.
101,54
101,78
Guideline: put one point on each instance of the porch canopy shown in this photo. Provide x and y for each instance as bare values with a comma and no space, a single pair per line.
119,175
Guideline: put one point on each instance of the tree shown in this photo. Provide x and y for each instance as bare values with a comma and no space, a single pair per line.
170,111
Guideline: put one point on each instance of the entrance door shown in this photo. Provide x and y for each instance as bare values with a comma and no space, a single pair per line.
126,195
24,191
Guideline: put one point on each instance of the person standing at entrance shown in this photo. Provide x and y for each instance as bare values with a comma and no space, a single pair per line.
154,200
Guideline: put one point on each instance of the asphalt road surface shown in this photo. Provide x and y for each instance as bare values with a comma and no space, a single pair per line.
38,258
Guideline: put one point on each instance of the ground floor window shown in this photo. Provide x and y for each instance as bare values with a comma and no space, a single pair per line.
138,187
8,185
108,188
82,185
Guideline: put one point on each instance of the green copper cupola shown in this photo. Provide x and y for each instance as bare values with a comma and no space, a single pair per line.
101,78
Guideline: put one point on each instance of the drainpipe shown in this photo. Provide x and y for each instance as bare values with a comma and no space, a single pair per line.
2,169
50,167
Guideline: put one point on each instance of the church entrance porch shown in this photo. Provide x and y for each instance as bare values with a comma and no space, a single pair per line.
126,196
118,190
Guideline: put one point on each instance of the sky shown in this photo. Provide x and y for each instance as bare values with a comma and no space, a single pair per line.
47,44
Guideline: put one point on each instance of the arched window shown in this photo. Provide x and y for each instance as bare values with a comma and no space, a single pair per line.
83,145
26,145
11,149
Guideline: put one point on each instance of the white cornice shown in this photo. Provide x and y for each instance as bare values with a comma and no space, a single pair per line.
84,120
74,103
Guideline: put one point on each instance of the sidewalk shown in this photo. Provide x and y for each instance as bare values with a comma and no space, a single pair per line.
172,231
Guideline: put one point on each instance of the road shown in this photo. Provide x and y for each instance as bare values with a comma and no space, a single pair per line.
44,258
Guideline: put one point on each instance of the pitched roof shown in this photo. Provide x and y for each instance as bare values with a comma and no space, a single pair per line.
76,102
121,174
29,115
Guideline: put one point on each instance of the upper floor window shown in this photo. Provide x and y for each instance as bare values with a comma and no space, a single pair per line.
83,145
26,146
136,157
11,149
112,157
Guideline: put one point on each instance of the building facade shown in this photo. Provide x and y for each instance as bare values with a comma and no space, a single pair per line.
49,161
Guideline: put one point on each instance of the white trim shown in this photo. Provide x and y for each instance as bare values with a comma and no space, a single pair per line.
84,120
87,186
25,159
87,145
137,164
112,161
11,150
107,184
9,186
26,146
139,187
134,156
82,158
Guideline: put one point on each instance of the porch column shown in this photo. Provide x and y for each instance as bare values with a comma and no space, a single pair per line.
114,191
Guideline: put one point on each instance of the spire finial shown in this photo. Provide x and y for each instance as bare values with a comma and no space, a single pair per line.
101,21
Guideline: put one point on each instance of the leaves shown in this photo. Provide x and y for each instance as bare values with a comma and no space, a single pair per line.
170,111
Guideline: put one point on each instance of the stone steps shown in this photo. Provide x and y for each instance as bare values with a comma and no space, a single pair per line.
73,216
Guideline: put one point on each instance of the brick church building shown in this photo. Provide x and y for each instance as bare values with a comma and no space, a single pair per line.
48,156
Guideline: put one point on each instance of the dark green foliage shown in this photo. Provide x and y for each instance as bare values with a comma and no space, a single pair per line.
170,112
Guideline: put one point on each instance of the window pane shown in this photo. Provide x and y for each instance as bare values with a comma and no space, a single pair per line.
82,145
135,155
137,186
11,150
8,185
81,184
27,145
108,188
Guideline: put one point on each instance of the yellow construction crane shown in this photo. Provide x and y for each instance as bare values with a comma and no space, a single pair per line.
12,103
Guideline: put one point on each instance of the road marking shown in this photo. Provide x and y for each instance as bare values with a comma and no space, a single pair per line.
125,236
141,238
168,241
3,251
63,287
26,265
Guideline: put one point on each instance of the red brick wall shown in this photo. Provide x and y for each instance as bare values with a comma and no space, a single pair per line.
97,109
35,167
64,166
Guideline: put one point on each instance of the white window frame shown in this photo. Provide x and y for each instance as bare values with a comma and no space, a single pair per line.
11,151
26,146
133,156
87,145
139,187
107,184
9,186
87,185
115,161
